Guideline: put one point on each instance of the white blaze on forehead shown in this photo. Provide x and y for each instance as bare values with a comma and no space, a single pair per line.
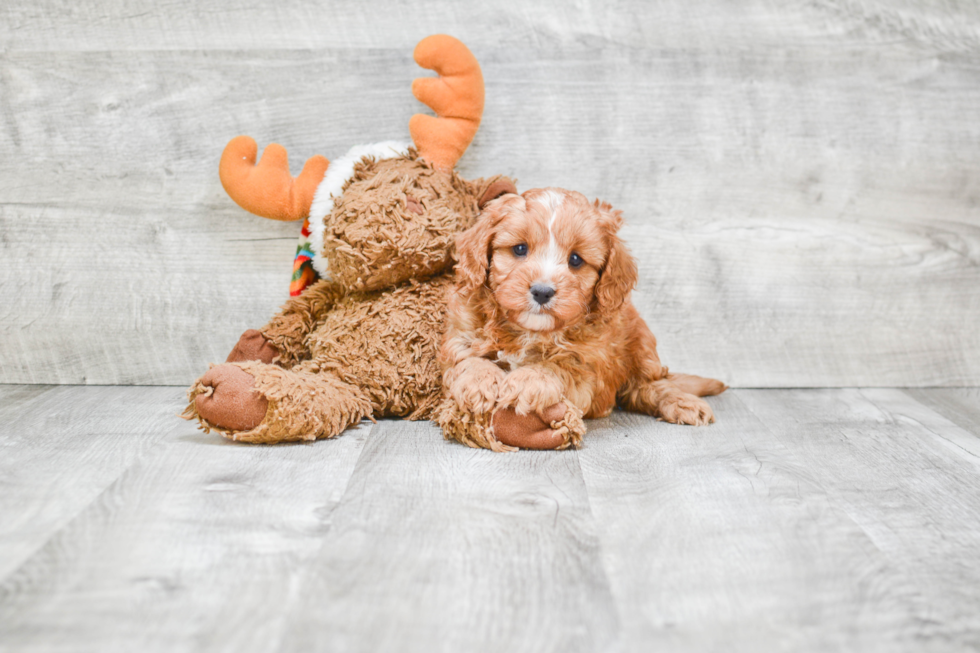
552,200
552,259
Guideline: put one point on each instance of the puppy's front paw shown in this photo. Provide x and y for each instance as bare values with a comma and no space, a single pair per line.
530,390
476,386
683,408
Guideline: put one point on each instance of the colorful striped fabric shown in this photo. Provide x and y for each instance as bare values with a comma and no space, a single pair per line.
303,272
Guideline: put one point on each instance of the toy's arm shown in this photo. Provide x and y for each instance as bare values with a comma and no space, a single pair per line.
287,331
283,339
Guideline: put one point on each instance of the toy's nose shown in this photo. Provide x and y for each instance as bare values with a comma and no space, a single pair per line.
542,294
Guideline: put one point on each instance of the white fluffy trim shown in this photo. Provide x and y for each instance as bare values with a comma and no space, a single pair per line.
339,172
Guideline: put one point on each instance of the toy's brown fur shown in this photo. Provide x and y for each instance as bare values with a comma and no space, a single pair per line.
365,342
376,240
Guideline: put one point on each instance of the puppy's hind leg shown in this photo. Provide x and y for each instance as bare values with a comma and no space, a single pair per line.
668,400
697,385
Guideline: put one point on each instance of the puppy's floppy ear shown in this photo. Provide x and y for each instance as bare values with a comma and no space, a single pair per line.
619,275
473,247
473,253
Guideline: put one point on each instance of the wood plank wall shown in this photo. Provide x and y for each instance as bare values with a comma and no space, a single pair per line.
801,180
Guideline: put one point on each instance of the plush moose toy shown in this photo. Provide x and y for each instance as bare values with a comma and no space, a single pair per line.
359,338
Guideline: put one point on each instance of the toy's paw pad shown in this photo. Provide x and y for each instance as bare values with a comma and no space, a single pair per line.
531,431
230,400
252,346
685,408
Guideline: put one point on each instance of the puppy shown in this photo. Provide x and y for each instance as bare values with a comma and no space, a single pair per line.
541,315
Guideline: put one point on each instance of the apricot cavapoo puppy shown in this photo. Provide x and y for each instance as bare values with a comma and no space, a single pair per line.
541,315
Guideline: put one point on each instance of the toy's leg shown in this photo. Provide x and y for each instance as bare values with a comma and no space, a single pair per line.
251,401
557,427
667,400
225,398
560,427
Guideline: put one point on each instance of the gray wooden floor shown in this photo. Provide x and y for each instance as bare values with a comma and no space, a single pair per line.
838,519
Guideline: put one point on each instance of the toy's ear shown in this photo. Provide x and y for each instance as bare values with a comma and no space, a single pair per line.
488,189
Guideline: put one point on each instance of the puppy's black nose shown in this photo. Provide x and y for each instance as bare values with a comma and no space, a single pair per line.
542,294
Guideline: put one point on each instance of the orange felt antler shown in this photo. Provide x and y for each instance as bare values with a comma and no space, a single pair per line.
456,96
267,189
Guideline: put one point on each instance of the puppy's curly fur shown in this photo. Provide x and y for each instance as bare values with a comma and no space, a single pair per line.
541,314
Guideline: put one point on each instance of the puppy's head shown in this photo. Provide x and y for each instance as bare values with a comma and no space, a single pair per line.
549,257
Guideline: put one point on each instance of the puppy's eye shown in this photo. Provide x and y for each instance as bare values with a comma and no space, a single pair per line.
575,260
519,250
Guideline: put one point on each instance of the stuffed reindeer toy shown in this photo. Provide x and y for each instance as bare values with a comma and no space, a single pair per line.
378,326
359,338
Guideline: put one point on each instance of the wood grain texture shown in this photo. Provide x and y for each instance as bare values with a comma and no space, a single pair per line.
293,24
723,538
803,520
895,469
437,547
195,543
948,432
77,444
959,405
798,180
